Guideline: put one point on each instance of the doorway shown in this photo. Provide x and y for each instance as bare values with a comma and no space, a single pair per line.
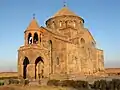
25,64
39,68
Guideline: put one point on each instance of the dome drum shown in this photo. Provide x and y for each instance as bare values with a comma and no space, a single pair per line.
64,21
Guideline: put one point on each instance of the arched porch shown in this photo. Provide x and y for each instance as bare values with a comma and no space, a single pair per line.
25,64
39,68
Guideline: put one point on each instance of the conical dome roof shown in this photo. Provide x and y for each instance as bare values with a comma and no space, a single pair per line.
33,25
64,11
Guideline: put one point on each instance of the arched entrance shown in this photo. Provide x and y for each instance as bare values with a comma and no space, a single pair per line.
25,63
39,68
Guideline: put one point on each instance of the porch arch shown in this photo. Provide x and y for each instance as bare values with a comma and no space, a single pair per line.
39,68
25,64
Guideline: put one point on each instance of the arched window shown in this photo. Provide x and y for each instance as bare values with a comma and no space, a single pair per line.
29,38
60,23
35,40
50,42
65,23
80,22
74,24
53,24
57,60
89,51
82,41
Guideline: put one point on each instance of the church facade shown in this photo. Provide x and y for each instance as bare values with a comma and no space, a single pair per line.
63,47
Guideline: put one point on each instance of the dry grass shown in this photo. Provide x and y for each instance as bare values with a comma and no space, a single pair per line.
8,74
11,87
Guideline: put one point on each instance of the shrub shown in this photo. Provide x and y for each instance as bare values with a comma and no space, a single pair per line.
67,83
11,81
81,84
24,82
96,85
111,85
14,81
86,84
108,83
53,82
6,82
103,85
118,87
116,83
78,84
91,86
1,83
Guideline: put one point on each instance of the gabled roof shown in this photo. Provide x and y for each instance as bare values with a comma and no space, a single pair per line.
64,11
33,25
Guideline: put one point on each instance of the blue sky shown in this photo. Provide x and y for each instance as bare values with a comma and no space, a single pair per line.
102,18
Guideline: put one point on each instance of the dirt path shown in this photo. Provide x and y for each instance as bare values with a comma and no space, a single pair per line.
11,87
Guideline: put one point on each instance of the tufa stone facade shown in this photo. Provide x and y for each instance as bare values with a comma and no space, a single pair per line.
63,48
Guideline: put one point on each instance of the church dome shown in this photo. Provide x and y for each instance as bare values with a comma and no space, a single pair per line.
64,11
64,18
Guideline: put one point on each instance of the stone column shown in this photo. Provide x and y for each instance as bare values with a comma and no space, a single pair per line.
32,37
47,70
38,38
26,38
31,71
20,71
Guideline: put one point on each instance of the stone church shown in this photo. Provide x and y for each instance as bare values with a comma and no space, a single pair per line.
63,47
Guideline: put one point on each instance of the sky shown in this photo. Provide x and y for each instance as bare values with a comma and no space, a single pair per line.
102,18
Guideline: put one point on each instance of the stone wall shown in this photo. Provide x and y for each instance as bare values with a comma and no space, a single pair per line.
73,59
59,56
100,59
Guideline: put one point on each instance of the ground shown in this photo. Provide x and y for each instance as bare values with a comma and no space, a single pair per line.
11,87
